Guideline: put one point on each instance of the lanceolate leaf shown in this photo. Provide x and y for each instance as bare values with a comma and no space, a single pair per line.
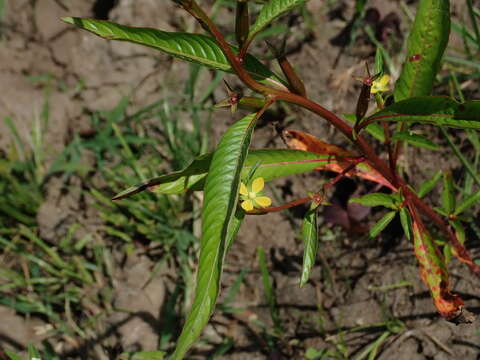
468,203
270,11
406,221
434,273
220,203
196,48
272,164
415,139
310,242
146,355
382,224
304,141
376,199
426,44
233,229
374,129
13,356
428,186
435,110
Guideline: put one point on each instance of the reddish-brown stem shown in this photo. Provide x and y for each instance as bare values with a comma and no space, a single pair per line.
345,129
281,207
317,197
345,171
243,51
375,161
340,124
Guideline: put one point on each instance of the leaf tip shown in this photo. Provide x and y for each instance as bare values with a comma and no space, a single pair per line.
68,20
463,317
117,197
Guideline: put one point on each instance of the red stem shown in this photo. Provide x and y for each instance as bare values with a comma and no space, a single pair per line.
282,207
375,161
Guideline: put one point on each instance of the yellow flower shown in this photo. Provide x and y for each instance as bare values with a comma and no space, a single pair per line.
380,85
251,196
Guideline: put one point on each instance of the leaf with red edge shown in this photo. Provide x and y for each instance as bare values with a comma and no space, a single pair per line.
435,275
461,252
300,140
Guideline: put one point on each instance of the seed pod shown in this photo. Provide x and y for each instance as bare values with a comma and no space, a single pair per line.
363,99
242,22
296,84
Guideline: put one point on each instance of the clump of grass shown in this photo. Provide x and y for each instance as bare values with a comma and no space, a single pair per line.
67,282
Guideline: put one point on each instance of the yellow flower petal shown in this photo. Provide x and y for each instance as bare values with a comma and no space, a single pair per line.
380,85
384,80
247,205
258,184
243,189
263,201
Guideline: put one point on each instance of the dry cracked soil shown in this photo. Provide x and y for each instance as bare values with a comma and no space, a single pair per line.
357,282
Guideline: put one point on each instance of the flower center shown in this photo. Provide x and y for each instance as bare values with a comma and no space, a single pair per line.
252,195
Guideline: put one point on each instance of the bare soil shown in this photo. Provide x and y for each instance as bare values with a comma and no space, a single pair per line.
350,284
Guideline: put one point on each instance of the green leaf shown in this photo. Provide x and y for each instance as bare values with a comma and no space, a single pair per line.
196,48
376,199
176,182
448,193
373,129
415,139
234,227
382,224
13,356
220,204
459,231
434,273
33,352
143,355
428,186
379,67
271,11
468,203
425,47
372,349
406,221
314,354
435,110
310,242
441,211
273,164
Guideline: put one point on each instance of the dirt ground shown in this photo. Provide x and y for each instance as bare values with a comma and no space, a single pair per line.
350,285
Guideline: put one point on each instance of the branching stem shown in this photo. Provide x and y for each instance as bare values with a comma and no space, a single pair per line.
386,170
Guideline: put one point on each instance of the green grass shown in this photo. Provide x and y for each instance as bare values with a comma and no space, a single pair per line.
63,279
